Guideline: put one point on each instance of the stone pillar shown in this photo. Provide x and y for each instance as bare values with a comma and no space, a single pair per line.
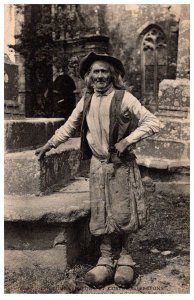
174,95
174,102
183,61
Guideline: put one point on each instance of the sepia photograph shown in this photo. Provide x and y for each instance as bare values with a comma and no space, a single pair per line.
96,148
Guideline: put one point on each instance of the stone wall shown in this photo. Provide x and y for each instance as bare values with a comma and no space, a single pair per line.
175,94
126,24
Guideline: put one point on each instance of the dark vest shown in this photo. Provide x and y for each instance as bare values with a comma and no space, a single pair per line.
120,126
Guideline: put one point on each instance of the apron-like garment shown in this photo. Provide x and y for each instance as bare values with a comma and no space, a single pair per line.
117,197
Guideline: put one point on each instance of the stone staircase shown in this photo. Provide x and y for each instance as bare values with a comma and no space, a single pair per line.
164,157
46,203
47,231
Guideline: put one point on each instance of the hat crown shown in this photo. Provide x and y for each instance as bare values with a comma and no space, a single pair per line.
88,60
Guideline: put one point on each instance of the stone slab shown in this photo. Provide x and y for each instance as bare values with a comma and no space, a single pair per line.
162,164
60,207
162,149
29,133
48,231
24,174
171,177
62,164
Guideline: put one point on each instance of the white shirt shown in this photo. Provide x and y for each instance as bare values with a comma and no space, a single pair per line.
98,121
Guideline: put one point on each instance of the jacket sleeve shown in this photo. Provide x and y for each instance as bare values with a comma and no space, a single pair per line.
68,130
148,123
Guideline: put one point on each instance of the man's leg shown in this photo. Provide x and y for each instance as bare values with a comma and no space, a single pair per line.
124,274
103,273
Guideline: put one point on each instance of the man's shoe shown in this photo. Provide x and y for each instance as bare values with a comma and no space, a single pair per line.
124,276
99,276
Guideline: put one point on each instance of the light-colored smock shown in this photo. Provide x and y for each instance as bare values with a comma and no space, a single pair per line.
116,191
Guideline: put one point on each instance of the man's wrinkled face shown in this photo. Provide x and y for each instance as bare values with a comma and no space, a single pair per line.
101,75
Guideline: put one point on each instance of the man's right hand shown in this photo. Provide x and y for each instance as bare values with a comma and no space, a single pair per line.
40,152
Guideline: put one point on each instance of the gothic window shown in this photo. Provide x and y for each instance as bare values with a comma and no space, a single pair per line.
153,64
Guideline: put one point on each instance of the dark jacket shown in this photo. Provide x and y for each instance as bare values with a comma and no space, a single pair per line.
61,97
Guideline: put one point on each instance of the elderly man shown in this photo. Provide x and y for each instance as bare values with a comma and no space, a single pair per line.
112,121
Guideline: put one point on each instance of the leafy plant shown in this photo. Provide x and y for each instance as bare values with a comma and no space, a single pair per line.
40,50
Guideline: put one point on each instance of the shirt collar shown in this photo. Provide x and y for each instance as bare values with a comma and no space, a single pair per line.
105,93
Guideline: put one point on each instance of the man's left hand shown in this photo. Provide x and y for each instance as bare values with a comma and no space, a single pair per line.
122,145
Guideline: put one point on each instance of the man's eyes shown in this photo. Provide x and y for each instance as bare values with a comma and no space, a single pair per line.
98,71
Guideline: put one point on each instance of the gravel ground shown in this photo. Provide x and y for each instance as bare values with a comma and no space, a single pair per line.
160,251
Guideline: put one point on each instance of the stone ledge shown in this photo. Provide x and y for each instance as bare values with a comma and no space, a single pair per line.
71,144
163,149
29,133
158,163
24,174
65,206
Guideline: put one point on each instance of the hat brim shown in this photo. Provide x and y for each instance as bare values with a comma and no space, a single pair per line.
88,60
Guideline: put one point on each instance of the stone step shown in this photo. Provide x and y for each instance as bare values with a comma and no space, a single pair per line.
171,177
172,165
63,164
29,133
163,148
24,174
66,205
48,231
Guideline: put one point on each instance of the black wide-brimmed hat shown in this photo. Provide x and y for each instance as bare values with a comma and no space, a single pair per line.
88,60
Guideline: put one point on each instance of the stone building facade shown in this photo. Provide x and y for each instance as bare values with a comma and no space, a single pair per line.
153,43
144,37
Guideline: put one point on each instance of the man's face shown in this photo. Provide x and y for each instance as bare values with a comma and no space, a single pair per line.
101,76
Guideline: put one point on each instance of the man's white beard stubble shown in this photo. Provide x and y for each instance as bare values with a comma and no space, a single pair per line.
103,90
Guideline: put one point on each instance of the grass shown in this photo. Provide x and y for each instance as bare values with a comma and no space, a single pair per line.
45,281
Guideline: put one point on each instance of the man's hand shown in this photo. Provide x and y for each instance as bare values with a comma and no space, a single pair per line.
40,152
121,146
